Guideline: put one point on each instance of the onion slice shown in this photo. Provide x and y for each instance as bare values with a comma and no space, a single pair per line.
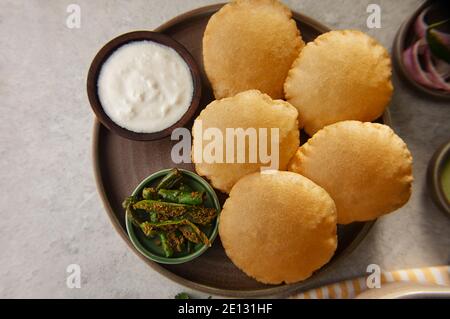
426,60
421,26
434,76
413,66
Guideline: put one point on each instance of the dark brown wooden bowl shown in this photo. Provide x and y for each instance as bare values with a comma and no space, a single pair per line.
405,38
104,54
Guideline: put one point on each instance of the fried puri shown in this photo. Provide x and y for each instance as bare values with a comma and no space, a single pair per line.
365,167
250,44
247,110
278,227
342,75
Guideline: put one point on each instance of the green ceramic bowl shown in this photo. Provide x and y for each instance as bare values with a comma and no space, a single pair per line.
148,247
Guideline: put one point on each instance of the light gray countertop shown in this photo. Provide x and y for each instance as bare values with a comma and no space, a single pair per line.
52,215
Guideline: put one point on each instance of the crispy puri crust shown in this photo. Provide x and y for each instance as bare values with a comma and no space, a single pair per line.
278,227
365,167
342,75
250,44
250,109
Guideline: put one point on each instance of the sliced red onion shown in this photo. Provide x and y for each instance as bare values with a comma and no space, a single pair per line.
433,75
413,66
421,25
435,72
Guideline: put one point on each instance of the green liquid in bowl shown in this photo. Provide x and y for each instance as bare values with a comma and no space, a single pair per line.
445,179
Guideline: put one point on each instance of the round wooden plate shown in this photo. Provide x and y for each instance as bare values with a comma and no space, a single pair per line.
120,164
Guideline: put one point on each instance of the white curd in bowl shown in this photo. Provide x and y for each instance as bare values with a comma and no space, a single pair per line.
145,87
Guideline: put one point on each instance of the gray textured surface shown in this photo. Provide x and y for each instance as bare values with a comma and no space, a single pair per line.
51,213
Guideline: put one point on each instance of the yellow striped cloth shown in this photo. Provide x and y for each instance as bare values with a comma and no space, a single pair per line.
439,275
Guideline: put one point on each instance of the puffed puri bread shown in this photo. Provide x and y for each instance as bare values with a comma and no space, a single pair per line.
341,75
249,109
365,167
250,44
278,227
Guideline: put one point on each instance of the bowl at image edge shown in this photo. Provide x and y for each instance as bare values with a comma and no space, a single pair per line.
440,158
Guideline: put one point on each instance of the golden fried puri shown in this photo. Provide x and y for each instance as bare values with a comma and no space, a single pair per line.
365,167
250,44
278,227
342,75
247,110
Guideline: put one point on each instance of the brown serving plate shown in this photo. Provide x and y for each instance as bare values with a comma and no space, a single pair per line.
120,164
112,46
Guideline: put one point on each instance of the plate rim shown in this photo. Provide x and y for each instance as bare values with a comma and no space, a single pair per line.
269,292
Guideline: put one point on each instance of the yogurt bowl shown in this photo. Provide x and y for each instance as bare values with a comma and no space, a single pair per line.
142,85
